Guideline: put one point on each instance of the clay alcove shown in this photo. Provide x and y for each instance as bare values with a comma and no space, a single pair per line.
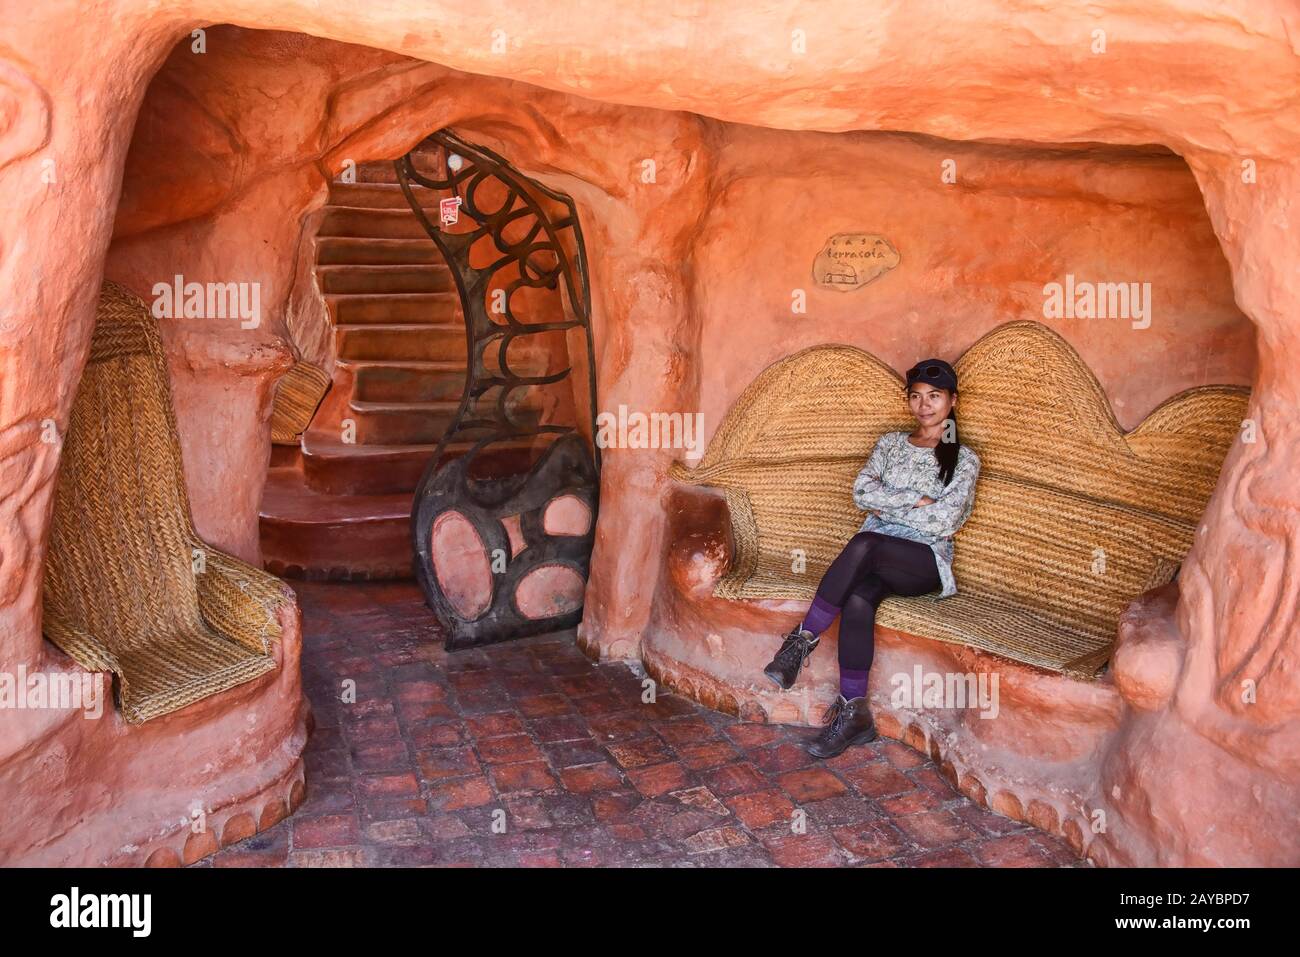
692,289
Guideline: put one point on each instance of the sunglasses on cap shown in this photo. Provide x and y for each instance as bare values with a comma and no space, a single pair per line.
929,372
942,376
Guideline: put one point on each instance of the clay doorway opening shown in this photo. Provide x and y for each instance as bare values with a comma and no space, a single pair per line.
446,432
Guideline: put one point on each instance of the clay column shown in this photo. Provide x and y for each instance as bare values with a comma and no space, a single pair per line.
647,359
1209,771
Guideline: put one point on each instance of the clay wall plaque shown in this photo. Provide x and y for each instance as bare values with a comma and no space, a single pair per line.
851,260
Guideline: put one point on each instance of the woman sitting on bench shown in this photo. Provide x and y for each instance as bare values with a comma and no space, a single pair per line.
919,489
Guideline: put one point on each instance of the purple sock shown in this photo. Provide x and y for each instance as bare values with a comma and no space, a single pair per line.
819,616
853,684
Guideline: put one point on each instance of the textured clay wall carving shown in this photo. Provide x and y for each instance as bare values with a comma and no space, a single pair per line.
607,92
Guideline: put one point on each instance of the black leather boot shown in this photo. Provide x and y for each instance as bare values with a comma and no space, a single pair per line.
847,723
794,653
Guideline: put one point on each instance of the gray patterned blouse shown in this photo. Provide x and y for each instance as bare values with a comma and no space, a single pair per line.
897,474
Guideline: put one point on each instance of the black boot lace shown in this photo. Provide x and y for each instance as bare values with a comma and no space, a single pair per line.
834,718
795,648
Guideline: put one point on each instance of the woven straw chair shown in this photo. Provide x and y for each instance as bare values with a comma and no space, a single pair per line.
129,586
297,395
1073,518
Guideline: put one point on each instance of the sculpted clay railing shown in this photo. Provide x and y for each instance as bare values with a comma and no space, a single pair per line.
503,519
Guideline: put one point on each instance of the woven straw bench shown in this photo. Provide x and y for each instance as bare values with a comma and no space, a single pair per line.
1073,518
129,586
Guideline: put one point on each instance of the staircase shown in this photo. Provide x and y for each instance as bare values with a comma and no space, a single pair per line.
338,506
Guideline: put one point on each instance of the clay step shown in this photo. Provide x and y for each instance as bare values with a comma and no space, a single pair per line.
343,250
438,308
425,342
382,279
286,456
380,171
305,534
409,382
381,195
331,467
376,223
402,423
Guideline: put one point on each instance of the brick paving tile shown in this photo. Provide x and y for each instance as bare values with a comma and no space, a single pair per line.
807,850
995,824
878,780
436,732
948,857
439,748
935,828
613,728
438,763
592,777
560,728
333,830
877,841
640,752
1014,850
756,735
461,792
614,805
389,809
494,724
524,776
934,781
572,754
847,808
686,731
711,754
782,758
759,809
734,778
658,779
911,802
811,784
508,749
901,756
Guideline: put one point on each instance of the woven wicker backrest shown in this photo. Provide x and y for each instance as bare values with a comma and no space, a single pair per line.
1072,517
120,562
823,402
1034,411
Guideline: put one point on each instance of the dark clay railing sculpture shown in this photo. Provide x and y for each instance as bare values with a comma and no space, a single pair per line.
533,244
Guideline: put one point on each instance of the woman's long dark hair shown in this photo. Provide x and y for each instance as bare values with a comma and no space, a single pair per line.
949,442
946,452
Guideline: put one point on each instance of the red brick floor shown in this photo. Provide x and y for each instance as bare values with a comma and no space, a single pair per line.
526,753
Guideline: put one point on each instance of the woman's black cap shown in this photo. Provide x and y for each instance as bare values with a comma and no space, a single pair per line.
933,372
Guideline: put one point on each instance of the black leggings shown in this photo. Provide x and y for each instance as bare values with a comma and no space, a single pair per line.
871,566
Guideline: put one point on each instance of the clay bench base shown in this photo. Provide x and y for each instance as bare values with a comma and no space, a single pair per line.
124,795
1076,523
1035,762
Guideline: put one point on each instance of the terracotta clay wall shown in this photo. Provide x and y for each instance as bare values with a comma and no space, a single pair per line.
1216,82
974,253
232,150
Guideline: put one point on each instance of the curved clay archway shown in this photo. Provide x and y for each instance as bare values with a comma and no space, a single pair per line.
1216,87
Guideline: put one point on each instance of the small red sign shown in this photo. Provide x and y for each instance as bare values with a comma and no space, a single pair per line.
449,210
